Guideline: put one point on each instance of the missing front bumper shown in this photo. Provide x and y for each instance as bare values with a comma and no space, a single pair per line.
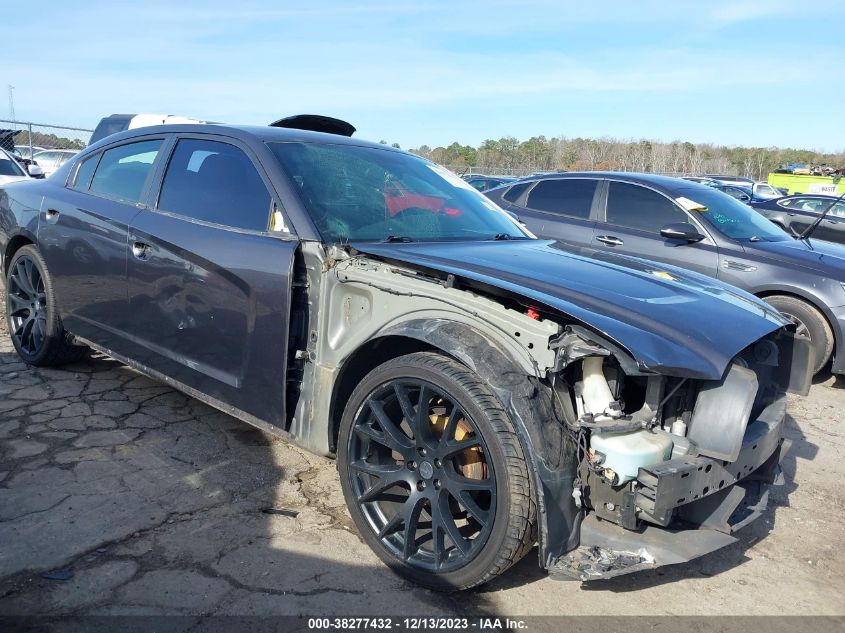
694,505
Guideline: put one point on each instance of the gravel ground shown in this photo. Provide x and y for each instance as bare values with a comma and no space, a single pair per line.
152,501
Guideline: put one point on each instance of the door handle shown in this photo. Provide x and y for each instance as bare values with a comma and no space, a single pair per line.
52,216
791,215
140,250
610,240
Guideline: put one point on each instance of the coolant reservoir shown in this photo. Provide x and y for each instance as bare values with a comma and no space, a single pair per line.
624,453
597,396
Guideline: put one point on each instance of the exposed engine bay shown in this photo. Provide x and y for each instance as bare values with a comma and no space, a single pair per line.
672,452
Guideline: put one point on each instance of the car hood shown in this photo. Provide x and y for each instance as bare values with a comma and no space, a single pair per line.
824,258
670,320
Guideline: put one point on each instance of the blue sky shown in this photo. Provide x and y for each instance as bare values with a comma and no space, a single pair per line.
748,72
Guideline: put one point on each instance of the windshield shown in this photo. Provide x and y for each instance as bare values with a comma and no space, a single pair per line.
729,216
355,193
9,166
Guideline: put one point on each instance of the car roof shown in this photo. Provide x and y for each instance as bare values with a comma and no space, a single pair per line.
262,133
666,184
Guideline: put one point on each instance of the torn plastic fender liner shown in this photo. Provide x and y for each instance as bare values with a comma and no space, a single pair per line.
549,450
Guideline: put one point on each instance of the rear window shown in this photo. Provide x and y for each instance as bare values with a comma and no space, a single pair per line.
123,170
565,196
110,125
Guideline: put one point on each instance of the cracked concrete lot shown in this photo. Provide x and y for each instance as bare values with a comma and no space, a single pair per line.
153,501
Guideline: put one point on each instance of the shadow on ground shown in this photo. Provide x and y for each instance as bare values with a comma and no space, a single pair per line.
119,495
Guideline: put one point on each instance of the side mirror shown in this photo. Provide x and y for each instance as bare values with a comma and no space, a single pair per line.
683,231
34,170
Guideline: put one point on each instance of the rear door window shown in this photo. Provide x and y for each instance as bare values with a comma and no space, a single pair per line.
564,196
215,182
123,170
637,207
512,194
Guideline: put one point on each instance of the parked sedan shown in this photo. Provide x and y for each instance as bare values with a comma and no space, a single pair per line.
10,169
696,227
759,193
50,160
797,213
743,194
25,151
457,367
483,183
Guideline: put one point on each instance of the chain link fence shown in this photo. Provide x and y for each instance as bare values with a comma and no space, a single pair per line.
517,172
28,139
490,170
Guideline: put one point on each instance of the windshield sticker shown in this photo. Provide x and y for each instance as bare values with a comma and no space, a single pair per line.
722,219
690,205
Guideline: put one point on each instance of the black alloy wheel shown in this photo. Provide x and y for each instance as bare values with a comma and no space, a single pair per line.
26,305
433,474
421,477
31,314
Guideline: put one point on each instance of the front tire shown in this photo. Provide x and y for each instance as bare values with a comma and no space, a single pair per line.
433,473
808,320
31,313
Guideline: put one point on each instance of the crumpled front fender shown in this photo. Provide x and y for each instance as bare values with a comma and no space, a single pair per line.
550,452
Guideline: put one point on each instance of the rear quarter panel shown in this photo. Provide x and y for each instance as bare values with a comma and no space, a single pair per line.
20,205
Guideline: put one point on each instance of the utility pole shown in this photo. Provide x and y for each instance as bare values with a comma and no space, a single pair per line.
12,102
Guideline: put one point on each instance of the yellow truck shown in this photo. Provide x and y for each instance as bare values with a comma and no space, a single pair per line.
795,183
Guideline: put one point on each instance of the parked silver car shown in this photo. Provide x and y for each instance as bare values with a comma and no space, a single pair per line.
50,160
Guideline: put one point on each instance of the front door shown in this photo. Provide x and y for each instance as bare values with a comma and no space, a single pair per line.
209,283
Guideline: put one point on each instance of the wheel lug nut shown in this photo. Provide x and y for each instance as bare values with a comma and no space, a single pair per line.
420,486
437,484
421,450
412,465
437,463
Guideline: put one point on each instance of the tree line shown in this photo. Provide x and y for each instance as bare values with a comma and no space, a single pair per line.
508,155
49,141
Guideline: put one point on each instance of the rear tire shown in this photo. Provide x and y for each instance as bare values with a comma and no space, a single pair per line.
31,313
808,320
445,520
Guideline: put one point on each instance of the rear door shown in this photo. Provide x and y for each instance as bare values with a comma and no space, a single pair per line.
832,228
210,280
561,209
82,235
631,221
802,212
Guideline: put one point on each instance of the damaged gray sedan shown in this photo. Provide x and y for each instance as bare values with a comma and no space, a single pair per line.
482,390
